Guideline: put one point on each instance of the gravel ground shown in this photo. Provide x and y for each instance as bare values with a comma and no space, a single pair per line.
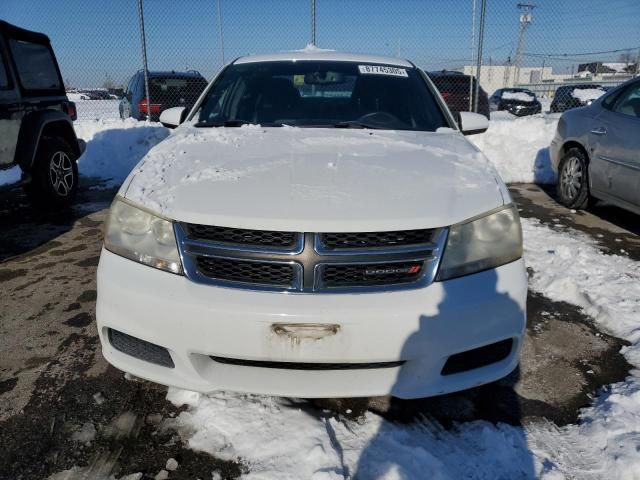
62,406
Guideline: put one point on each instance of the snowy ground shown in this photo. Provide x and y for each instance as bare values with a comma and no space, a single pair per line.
97,109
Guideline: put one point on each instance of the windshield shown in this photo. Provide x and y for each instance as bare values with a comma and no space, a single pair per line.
321,94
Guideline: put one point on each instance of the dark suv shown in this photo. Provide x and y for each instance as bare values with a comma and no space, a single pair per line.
166,89
564,98
38,146
454,88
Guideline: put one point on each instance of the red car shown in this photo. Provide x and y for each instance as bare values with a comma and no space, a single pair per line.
454,88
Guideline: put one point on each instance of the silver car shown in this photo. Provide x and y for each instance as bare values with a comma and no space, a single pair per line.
596,150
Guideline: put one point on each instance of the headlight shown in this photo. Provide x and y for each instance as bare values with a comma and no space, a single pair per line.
139,235
481,244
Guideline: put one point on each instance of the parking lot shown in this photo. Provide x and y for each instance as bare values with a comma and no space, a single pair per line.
65,412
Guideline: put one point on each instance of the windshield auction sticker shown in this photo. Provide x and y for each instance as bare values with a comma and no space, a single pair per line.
382,70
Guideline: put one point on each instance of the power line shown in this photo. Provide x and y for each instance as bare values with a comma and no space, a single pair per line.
582,54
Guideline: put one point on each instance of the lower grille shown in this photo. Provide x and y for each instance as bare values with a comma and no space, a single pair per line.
337,276
140,349
478,357
305,365
258,273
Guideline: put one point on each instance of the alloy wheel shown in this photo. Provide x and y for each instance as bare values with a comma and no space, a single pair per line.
571,178
61,173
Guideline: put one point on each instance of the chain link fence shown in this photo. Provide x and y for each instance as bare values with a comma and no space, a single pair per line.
538,47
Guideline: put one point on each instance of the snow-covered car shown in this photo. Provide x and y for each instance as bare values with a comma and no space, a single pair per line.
517,101
317,226
596,150
567,97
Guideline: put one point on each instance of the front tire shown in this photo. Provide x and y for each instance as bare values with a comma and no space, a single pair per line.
573,179
54,176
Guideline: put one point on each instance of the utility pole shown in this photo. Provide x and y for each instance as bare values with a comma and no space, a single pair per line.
526,16
483,11
313,22
473,42
221,35
143,41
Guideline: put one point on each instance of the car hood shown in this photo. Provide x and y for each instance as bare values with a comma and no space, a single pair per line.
311,179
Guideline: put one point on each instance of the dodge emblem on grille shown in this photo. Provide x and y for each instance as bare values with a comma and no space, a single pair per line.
391,270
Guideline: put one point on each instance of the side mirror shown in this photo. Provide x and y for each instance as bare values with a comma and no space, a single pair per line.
470,123
172,117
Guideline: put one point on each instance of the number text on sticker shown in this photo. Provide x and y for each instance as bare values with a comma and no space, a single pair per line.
382,70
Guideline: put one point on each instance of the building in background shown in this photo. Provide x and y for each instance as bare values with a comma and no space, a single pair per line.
493,77
544,82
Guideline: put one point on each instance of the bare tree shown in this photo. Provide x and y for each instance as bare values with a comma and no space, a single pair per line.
108,82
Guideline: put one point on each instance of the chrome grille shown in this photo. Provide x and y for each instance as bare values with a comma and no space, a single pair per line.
356,240
310,262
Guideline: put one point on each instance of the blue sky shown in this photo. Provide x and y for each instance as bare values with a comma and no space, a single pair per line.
95,39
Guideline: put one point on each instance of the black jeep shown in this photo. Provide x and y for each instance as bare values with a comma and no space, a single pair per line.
38,146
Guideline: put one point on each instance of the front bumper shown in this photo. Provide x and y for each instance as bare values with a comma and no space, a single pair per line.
522,111
421,327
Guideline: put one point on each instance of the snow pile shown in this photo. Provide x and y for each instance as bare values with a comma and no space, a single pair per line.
522,96
311,48
587,94
10,175
518,148
114,147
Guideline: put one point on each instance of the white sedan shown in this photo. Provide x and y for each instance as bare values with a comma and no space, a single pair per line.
317,226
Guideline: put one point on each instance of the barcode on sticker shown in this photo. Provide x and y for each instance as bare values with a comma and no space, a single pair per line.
382,70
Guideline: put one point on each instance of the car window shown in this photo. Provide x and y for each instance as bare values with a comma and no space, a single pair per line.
176,88
452,83
130,85
629,102
36,65
322,94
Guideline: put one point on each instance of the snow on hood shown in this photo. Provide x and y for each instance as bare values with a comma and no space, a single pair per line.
521,96
315,179
586,94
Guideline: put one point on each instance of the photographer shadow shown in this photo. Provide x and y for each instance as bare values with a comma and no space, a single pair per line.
473,434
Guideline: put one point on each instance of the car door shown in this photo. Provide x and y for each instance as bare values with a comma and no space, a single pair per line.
615,143
11,112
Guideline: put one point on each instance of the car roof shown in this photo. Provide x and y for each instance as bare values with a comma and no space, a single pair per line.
446,73
580,85
317,54
28,35
174,74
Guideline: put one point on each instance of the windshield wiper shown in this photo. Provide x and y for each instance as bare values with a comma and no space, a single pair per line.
354,124
226,123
